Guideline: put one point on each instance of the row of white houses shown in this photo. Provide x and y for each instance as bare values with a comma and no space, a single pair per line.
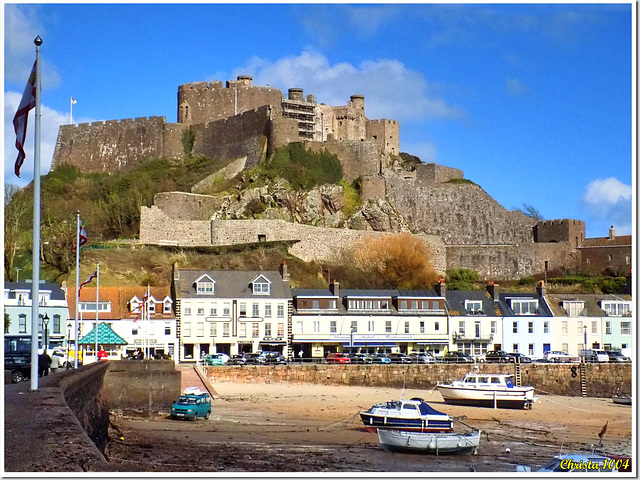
246,311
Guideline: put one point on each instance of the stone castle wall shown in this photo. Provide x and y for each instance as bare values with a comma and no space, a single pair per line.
386,134
430,173
357,158
560,231
111,145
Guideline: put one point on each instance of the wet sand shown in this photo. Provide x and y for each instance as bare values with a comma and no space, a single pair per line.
288,427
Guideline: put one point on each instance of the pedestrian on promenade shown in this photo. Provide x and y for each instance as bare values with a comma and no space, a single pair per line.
55,363
44,362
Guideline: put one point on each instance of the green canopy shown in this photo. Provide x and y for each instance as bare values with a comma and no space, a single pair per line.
106,336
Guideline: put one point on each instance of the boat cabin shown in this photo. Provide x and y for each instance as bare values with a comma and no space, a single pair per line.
487,379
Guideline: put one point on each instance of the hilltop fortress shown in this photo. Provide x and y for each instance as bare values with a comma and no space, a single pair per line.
240,124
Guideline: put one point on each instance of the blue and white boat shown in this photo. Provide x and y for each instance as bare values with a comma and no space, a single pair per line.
414,415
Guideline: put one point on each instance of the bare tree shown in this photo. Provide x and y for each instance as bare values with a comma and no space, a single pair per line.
17,212
530,211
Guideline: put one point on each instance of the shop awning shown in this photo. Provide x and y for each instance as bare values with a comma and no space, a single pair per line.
433,342
372,343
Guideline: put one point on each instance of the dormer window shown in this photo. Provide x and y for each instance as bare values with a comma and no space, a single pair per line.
473,307
524,306
205,285
261,286
616,308
166,305
574,308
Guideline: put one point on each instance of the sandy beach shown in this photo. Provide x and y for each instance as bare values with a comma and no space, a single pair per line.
286,427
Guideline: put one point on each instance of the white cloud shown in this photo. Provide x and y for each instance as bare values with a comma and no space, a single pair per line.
516,87
391,89
49,124
611,200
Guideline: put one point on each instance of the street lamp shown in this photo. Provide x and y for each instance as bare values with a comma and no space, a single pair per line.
584,353
351,340
45,323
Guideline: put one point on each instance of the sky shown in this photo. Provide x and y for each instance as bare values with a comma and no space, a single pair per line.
534,102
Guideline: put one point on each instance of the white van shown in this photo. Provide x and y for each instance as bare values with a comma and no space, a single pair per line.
595,356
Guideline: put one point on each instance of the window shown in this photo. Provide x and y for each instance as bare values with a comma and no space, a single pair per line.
403,304
473,306
267,310
387,326
261,286
436,326
494,326
267,329
625,328
200,329
354,326
524,307
243,309
531,349
607,328
152,306
333,326
187,329
316,326
134,330
225,329
579,327
56,324
530,327
281,329
616,309
242,330
187,308
461,327
280,310
256,310
213,329
565,347
166,306
421,327
545,327
370,304
315,304
371,326
565,327
515,348
255,330
200,309
406,327
213,311
298,327
204,287
167,329
226,310
573,308
515,327
594,326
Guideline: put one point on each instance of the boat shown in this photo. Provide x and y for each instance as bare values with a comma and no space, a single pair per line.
621,399
419,442
487,389
408,415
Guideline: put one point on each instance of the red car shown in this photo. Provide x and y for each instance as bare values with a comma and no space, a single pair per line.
338,358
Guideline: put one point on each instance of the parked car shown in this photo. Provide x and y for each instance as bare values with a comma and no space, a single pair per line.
274,358
422,358
457,357
555,356
237,360
617,357
338,358
192,405
361,358
594,355
499,356
254,359
399,358
380,359
520,358
214,359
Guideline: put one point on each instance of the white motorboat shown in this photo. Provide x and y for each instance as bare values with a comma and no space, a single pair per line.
487,389
411,415
417,442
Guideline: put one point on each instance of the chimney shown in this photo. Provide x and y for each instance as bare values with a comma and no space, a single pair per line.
494,290
612,233
284,272
541,289
335,288
441,288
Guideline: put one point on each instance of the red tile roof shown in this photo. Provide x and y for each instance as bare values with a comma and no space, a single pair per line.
119,297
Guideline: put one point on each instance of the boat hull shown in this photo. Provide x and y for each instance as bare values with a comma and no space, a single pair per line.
374,422
622,400
516,397
428,443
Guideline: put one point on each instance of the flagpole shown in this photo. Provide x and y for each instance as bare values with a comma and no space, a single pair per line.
35,279
97,310
75,335
70,110
148,329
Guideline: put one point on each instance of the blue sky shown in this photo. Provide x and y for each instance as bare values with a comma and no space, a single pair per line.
532,101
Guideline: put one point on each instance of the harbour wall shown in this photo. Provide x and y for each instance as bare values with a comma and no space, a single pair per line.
602,380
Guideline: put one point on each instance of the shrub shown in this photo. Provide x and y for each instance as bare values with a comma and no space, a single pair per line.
302,168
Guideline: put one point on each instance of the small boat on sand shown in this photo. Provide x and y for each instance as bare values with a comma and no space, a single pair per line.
417,442
487,389
410,415
621,399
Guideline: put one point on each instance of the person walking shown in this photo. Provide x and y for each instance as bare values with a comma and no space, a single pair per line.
44,362
55,363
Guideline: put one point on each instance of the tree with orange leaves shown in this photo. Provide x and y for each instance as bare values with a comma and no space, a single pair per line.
400,261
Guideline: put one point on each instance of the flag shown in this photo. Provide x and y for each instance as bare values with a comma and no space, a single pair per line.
73,101
83,237
603,431
88,280
20,119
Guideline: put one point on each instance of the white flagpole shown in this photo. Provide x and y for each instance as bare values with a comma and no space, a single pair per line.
97,309
148,329
35,279
77,296
71,110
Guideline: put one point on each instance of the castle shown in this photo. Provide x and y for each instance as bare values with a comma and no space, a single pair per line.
241,123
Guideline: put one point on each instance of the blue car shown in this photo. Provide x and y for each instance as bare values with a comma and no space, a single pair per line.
190,406
380,359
